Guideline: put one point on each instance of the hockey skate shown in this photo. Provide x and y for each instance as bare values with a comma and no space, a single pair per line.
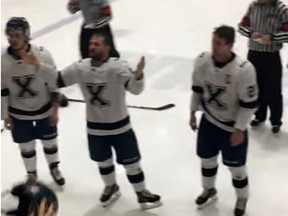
255,123
147,200
207,197
110,195
240,206
56,174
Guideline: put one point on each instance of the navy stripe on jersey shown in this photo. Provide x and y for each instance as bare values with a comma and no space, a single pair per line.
248,105
197,89
108,126
40,111
229,123
4,92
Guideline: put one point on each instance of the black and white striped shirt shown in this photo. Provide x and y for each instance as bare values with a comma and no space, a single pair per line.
96,13
267,19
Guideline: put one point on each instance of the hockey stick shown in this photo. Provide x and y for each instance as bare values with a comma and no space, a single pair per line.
160,108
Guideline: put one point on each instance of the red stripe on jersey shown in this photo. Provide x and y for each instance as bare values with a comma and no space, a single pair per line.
106,11
285,26
245,21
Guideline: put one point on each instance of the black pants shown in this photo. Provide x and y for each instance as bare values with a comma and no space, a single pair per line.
86,34
269,77
218,140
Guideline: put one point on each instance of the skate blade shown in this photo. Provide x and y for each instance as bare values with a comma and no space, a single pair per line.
209,202
113,199
147,206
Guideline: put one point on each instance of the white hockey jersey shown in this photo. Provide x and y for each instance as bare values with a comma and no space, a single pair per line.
104,90
25,92
228,95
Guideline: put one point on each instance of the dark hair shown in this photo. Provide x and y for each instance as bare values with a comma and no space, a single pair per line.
226,32
19,23
105,37
30,196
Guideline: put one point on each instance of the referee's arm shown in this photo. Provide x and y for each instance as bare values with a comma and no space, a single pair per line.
282,35
244,25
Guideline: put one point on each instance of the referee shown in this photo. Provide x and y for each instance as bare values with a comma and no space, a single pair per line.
266,25
97,15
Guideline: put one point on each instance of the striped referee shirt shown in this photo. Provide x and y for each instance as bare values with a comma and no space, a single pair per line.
267,19
96,13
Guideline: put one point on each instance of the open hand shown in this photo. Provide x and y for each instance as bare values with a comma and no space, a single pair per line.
140,67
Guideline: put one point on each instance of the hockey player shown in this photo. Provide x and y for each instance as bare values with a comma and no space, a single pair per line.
103,82
97,16
28,97
224,86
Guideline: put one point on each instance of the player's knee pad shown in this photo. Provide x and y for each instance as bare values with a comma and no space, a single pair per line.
52,143
209,163
106,167
133,169
50,146
238,173
209,166
134,173
106,163
240,180
28,149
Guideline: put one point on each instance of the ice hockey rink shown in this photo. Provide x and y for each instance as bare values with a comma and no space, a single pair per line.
170,34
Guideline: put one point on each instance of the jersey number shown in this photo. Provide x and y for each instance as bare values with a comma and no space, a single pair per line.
215,92
24,83
251,91
96,92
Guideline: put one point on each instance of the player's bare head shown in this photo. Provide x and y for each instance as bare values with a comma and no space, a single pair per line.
223,40
18,32
31,198
99,47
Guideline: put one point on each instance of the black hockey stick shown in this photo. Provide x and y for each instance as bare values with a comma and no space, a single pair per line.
160,108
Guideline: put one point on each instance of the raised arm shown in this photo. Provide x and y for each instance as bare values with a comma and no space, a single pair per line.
133,81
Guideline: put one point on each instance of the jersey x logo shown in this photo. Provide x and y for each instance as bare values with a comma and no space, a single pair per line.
96,91
215,92
24,84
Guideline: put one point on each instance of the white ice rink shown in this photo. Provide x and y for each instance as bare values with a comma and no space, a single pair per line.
170,33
